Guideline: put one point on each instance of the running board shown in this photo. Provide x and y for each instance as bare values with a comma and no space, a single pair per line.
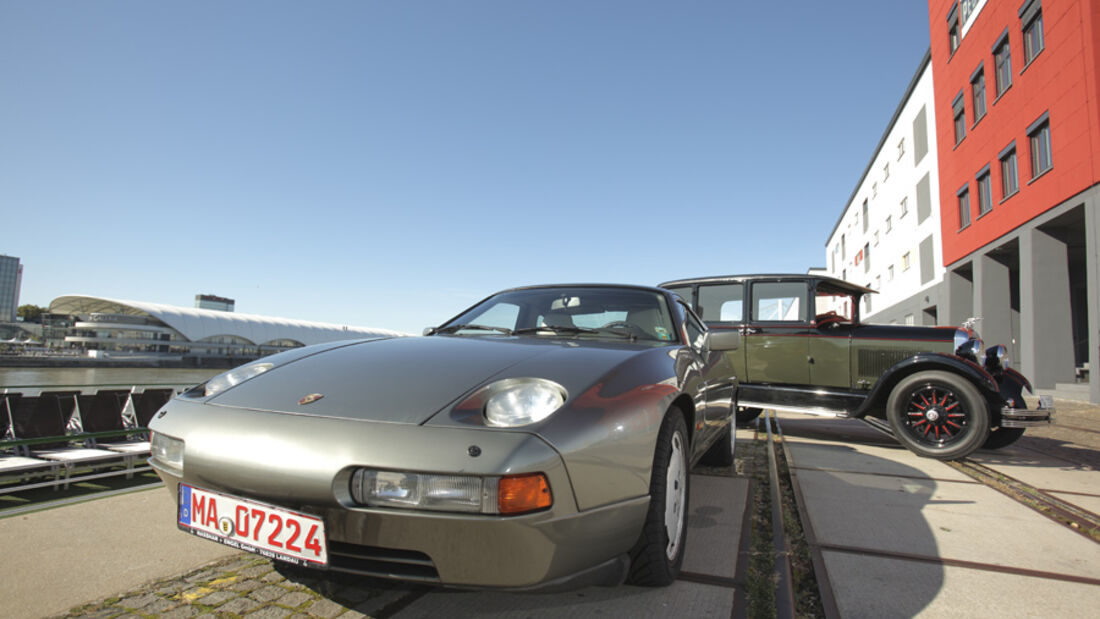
879,424
787,408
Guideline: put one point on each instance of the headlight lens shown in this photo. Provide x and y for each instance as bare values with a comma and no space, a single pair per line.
996,357
972,350
519,402
168,452
508,495
236,376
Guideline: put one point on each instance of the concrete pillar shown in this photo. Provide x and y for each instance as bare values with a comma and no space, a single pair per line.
1046,336
1092,266
958,297
993,303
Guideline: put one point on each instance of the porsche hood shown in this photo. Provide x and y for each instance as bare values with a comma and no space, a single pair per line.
408,380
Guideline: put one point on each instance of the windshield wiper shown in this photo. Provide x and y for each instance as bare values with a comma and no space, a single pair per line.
470,327
555,329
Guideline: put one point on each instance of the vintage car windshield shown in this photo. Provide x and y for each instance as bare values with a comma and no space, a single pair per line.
603,312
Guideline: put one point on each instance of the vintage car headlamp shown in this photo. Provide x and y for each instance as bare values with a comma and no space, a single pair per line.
507,495
168,452
236,376
522,401
996,357
971,350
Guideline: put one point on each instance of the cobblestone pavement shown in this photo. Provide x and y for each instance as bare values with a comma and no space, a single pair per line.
250,586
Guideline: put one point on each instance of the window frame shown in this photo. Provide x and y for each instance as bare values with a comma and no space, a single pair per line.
962,200
1007,153
1002,64
985,191
1041,126
958,114
977,93
1031,15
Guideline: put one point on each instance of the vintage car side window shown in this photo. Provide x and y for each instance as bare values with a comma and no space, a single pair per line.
832,308
721,302
683,291
779,301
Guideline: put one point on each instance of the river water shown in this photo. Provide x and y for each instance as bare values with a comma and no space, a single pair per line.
57,377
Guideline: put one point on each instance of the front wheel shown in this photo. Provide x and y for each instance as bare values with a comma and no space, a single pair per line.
938,415
656,558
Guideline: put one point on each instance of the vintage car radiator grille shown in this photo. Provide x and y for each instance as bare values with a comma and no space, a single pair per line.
382,562
872,363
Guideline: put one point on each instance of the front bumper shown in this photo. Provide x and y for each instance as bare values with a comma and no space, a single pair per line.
1029,418
276,459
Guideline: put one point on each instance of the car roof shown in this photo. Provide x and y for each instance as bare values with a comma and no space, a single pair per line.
720,279
588,285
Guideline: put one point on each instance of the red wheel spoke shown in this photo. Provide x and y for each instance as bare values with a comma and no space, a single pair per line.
937,429
954,424
953,405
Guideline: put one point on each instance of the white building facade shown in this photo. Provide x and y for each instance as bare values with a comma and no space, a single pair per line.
888,237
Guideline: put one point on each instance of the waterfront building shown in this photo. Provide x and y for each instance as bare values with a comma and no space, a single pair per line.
214,302
888,236
11,279
115,326
1017,89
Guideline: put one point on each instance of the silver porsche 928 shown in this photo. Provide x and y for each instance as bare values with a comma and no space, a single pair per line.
543,437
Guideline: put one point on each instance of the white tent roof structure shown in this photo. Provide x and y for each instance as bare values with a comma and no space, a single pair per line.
200,324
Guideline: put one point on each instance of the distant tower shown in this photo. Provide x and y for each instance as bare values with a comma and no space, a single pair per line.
11,278
214,302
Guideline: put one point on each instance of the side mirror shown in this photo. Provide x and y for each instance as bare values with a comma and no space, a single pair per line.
428,331
726,339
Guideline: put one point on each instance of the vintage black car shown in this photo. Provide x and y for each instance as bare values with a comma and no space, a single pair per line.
804,350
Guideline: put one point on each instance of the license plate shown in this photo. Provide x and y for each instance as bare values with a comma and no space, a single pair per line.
267,530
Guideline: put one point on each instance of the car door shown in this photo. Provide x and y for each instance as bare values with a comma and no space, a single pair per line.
776,335
717,383
830,338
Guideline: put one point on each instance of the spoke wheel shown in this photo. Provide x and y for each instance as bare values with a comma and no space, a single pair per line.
938,415
656,557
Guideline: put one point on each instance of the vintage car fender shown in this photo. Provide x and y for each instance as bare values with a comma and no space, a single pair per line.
976,374
1012,385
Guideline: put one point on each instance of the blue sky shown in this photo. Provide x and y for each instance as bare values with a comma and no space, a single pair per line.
389,163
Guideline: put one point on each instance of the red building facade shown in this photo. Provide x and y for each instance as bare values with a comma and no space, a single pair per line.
1017,108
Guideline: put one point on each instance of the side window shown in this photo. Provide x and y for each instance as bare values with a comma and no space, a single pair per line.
683,291
721,303
696,332
779,301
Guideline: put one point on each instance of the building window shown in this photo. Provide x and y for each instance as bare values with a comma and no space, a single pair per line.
1010,182
977,93
901,149
953,29
909,320
905,261
904,206
874,190
985,192
890,273
889,223
866,257
920,136
1031,17
963,196
1039,136
876,237
1002,62
878,282
958,110
885,171
843,248
865,218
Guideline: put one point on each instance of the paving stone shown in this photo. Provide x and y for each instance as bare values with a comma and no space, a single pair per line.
159,607
170,588
200,576
352,614
217,598
271,612
256,571
138,601
245,586
269,593
294,599
327,609
239,606
181,612
273,576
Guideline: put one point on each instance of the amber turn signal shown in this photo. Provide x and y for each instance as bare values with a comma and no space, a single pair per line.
518,494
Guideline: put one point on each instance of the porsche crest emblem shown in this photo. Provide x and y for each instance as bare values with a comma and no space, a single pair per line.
310,399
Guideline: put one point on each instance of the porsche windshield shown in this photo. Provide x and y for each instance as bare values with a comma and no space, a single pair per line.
619,313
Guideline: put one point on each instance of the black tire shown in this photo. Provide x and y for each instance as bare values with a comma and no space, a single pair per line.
938,415
1002,437
656,558
721,452
747,415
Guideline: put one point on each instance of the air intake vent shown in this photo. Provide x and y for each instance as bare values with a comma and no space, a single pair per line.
873,363
382,562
